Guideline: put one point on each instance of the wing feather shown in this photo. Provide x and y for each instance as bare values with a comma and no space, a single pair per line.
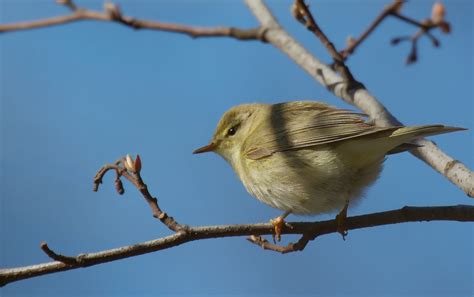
303,124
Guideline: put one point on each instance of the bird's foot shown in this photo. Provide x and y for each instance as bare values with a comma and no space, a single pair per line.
278,224
341,221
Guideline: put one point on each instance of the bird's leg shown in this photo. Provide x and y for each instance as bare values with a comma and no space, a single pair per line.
341,221
278,224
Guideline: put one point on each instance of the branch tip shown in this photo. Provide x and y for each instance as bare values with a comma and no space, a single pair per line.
304,15
68,3
57,257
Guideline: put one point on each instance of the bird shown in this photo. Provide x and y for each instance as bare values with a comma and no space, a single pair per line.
307,157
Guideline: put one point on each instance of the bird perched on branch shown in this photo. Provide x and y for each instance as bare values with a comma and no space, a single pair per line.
306,157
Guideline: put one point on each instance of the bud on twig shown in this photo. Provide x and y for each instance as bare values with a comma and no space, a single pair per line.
67,3
133,165
438,12
298,13
413,56
129,163
350,41
444,27
138,164
398,6
113,10
397,40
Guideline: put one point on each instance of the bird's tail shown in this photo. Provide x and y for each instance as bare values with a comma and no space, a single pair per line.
408,134
414,132
391,140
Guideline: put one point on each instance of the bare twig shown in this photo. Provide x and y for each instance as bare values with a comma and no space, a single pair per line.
388,10
135,178
289,248
458,174
65,259
303,14
425,27
79,14
460,213
394,10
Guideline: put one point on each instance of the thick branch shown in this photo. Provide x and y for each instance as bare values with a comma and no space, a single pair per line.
460,213
83,14
458,174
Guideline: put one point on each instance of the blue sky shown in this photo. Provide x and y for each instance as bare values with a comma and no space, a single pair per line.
77,96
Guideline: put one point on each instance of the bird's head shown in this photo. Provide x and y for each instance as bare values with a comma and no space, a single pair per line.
232,130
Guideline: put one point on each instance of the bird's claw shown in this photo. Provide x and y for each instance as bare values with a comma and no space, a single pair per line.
278,224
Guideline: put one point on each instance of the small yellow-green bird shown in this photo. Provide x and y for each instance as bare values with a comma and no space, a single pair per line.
306,157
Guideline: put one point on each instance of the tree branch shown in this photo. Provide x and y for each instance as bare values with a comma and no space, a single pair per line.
390,9
80,14
425,26
424,30
126,167
303,14
310,230
360,97
270,30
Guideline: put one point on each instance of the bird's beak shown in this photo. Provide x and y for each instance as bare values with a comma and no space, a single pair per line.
207,148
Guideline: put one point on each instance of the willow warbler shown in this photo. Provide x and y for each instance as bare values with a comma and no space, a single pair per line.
306,157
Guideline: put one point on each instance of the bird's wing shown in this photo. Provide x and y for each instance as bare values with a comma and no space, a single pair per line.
303,124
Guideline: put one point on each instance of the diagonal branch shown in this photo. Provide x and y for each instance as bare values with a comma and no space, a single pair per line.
455,171
80,14
390,9
303,14
309,230
127,168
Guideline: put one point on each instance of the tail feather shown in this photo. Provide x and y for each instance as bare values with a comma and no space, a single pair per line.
392,140
423,131
410,133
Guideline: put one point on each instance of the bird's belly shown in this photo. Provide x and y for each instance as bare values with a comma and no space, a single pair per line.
307,181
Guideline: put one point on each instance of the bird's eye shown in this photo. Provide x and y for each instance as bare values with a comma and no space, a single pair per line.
232,131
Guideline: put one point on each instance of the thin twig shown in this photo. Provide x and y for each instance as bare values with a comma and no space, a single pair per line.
393,9
136,179
57,257
304,15
388,10
289,248
425,27
79,14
